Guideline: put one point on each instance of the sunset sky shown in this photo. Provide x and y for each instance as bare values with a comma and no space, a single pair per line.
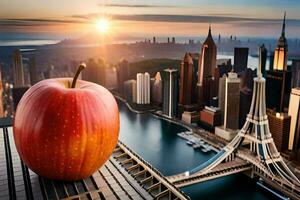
147,18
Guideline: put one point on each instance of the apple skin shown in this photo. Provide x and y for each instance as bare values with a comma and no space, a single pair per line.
65,133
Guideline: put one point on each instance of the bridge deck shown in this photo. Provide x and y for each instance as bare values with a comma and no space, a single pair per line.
223,169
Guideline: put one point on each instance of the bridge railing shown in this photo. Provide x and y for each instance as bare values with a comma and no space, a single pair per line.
154,170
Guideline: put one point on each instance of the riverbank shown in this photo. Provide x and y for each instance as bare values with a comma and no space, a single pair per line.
132,108
210,138
204,135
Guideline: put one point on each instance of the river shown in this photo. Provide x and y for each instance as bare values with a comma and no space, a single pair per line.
157,142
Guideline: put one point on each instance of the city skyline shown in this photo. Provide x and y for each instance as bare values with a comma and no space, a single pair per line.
150,100
137,18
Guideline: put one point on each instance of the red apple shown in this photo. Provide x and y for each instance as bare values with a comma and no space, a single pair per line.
65,132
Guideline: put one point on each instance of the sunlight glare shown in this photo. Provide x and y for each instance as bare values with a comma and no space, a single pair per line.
103,25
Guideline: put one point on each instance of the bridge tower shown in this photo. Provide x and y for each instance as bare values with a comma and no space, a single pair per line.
256,134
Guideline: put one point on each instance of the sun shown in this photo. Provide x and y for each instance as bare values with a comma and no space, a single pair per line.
102,25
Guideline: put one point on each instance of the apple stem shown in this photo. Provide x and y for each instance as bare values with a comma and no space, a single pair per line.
81,67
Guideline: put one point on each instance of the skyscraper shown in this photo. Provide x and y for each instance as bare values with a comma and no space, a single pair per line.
294,112
279,127
263,59
221,95
271,59
278,85
32,71
246,90
231,107
122,74
19,87
2,113
156,89
296,73
170,92
240,59
29,62
18,69
143,88
232,100
206,70
281,51
130,91
186,91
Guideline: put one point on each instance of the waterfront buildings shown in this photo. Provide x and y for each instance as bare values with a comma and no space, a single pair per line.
130,91
170,92
122,74
294,112
231,107
190,117
206,71
240,59
18,71
210,116
143,88
278,86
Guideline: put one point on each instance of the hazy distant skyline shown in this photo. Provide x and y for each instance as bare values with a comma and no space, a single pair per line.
261,18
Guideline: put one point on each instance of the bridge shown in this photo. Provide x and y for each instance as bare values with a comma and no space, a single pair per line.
147,176
252,150
224,169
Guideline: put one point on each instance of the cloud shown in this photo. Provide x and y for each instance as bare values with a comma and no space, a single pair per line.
226,18
79,19
135,5
11,24
38,20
